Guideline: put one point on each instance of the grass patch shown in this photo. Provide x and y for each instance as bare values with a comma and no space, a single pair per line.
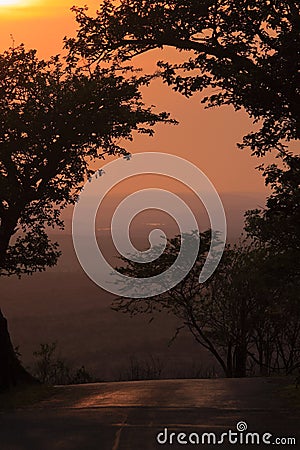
24,396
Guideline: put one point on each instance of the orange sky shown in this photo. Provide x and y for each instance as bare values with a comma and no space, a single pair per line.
205,137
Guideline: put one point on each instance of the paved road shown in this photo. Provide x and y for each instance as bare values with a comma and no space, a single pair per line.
129,416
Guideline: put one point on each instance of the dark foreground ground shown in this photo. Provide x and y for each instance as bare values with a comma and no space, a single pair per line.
119,416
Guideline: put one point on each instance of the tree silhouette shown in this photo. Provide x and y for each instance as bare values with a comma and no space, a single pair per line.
54,119
247,53
279,223
246,315
246,50
209,311
277,226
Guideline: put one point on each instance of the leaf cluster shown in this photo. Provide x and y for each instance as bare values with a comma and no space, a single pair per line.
55,118
246,51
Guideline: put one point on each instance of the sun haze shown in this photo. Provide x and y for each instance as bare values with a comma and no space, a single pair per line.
5,4
9,2
14,10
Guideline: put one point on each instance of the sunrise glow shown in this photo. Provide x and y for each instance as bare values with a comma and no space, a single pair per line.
10,2
17,5
18,9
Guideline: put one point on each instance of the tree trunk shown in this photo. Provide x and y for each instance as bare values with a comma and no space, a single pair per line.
240,369
11,371
228,372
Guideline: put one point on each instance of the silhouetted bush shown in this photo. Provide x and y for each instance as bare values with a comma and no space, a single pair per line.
149,368
52,369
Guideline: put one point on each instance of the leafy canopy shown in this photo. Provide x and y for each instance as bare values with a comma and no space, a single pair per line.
279,223
54,119
246,50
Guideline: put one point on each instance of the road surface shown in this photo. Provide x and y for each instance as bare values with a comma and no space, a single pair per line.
133,415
